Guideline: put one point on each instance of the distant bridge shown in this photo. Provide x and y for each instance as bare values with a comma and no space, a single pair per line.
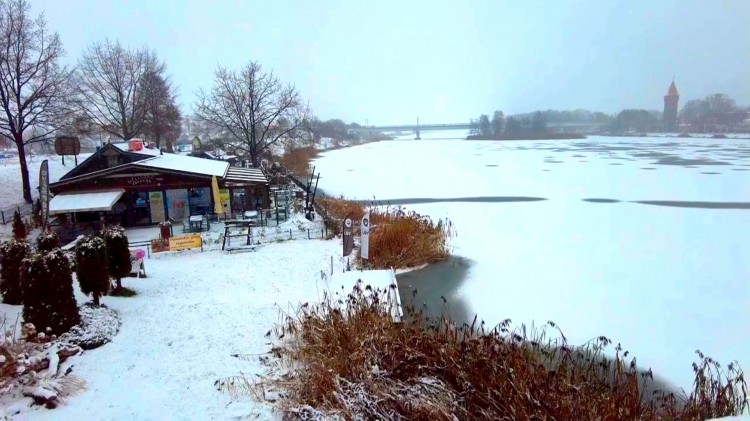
413,127
567,127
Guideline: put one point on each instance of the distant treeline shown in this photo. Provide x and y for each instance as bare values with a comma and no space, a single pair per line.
532,125
528,136
717,113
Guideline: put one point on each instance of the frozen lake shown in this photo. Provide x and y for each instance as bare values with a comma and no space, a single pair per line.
643,240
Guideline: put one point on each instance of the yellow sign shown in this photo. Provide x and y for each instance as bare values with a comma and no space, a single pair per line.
218,209
224,196
184,242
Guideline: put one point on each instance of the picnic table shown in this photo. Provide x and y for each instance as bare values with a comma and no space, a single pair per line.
196,223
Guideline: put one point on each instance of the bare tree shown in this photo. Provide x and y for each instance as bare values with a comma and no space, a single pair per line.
33,84
253,107
111,87
162,118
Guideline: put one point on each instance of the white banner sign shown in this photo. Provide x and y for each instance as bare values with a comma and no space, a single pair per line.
365,226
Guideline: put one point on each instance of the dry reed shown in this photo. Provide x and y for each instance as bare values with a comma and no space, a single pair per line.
347,359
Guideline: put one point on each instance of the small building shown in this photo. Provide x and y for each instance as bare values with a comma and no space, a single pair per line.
133,185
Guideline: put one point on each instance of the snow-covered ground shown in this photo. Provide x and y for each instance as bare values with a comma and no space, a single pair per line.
662,280
11,191
192,312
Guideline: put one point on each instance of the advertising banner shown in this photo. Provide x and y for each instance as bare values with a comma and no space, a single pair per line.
185,242
156,204
44,192
177,204
159,245
224,197
348,235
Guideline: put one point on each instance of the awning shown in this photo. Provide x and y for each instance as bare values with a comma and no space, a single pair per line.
84,202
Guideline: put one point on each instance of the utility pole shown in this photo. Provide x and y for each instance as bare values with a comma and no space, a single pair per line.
418,137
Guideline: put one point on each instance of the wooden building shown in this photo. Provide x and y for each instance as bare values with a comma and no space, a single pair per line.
133,185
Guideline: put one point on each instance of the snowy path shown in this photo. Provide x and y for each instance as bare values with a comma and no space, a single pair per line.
191,313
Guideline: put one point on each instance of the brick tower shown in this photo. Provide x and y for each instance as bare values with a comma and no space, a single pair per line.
671,99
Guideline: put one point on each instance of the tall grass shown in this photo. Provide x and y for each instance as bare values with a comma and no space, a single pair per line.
398,238
353,362
298,160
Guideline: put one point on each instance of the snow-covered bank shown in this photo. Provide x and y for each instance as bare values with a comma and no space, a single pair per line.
11,190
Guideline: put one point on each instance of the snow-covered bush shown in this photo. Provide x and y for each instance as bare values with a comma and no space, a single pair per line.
48,300
118,254
12,254
91,266
33,370
47,241
98,326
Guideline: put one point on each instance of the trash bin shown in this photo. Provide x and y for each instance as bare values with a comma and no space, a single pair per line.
164,231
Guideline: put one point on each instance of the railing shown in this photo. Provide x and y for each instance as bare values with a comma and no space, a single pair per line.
271,234
6,213
68,232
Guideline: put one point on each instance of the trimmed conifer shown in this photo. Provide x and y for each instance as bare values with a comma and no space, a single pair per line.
48,300
47,241
19,227
91,266
118,254
12,254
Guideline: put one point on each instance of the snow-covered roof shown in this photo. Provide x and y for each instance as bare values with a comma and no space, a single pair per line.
187,164
123,146
84,202
239,175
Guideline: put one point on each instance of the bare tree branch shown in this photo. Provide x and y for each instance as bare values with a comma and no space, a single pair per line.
252,108
33,85
112,88
162,118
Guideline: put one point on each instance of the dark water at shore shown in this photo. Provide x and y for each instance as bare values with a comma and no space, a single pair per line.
434,288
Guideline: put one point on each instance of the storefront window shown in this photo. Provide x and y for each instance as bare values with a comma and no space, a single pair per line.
139,209
200,200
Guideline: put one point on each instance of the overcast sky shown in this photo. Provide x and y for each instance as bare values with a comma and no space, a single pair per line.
393,61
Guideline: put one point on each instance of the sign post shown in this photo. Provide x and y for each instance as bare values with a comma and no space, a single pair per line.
68,145
44,192
348,236
365,228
